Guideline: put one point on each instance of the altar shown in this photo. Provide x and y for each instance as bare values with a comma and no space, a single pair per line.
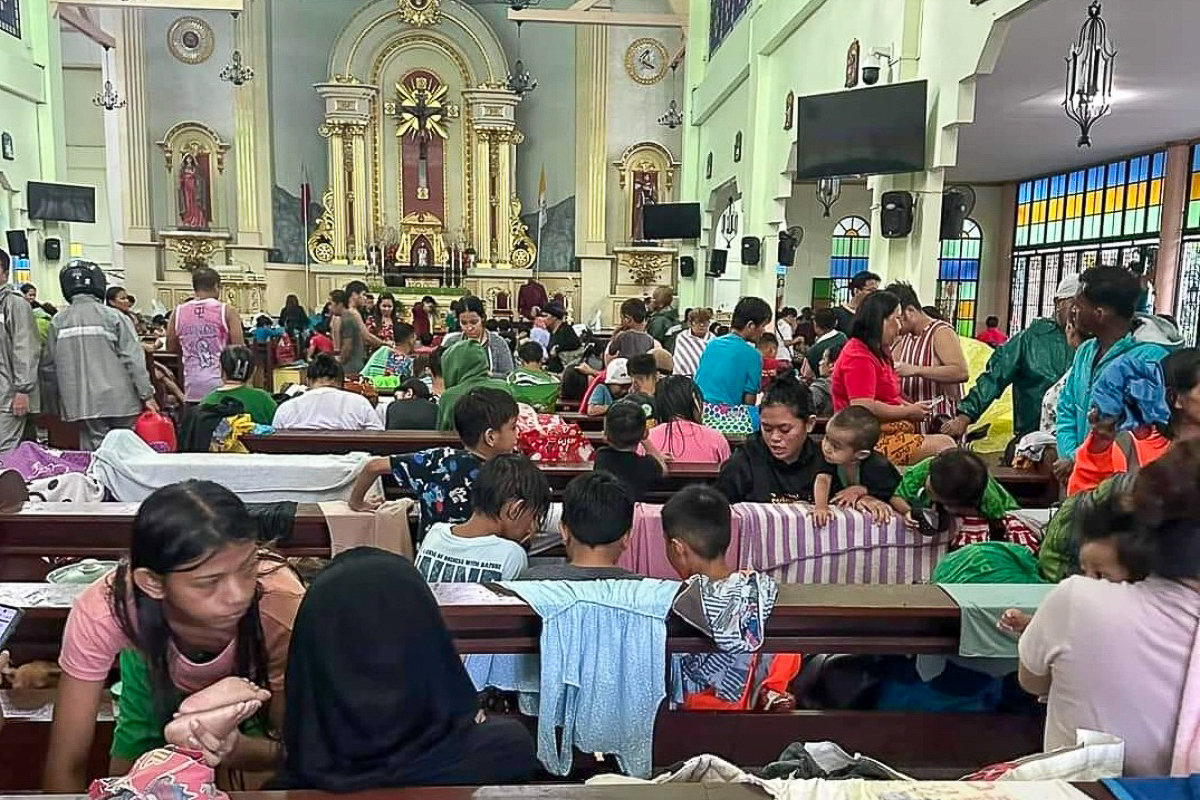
423,144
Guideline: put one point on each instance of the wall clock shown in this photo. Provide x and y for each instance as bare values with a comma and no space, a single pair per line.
190,39
646,61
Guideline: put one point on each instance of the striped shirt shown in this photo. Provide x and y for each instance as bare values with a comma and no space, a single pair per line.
688,349
918,350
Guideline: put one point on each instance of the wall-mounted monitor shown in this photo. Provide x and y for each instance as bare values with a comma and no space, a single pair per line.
671,221
873,131
61,202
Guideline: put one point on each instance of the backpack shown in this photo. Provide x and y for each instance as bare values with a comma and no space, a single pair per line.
200,428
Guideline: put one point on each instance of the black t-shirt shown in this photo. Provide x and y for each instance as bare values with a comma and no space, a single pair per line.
638,474
876,473
412,415
563,340
628,344
753,475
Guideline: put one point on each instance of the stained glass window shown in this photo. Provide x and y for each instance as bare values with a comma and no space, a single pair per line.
723,15
1187,297
1073,220
1192,220
958,278
850,255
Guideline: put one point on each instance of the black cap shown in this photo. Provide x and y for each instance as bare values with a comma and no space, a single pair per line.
555,311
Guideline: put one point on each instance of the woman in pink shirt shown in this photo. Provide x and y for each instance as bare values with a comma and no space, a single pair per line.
194,602
678,406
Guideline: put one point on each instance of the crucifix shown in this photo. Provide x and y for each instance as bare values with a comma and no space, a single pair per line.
422,112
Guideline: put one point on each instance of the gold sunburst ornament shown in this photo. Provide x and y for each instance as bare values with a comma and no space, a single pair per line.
419,109
421,13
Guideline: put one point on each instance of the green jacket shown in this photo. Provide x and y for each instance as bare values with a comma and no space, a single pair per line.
996,499
464,367
1031,362
662,321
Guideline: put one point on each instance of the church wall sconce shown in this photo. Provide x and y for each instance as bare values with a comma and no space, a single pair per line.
829,190
737,147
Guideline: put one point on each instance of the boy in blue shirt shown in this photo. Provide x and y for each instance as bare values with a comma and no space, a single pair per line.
730,370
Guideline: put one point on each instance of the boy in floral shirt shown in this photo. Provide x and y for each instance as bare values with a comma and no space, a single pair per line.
440,478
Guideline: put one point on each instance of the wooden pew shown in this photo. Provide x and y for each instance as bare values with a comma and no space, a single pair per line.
378,443
848,619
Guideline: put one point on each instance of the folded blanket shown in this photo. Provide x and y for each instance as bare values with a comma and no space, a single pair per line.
130,469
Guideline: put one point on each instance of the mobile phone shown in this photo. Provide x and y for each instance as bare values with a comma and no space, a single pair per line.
937,401
9,617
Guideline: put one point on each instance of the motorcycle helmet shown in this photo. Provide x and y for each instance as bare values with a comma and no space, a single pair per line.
82,277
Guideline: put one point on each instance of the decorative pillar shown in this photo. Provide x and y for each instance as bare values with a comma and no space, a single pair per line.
1170,237
591,139
251,124
131,131
491,112
347,112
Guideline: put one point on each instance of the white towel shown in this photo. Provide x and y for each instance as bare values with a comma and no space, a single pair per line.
130,469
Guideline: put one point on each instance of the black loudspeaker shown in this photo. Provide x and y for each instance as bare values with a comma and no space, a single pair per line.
687,267
751,250
786,254
716,263
18,244
954,214
53,249
896,215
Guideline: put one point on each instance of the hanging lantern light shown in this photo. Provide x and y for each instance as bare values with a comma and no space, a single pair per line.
1089,75
236,71
108,99
673,117
828,192
520,80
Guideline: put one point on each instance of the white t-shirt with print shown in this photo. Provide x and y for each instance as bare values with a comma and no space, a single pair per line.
446,558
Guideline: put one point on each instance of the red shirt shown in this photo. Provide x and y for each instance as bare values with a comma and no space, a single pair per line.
993,336
771,368
321,343
859,373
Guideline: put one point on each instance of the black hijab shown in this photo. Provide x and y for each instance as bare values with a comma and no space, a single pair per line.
377,697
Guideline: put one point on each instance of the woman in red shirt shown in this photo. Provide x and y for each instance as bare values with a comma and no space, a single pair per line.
865,376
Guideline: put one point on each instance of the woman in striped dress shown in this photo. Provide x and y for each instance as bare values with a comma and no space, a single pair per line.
691,341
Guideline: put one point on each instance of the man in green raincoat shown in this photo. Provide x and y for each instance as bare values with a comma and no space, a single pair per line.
1031,362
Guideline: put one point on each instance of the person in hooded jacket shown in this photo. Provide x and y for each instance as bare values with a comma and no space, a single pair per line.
1106,310
464,367
93,357
663,315
372,704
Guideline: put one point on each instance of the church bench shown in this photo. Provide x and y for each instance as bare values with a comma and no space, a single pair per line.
849,619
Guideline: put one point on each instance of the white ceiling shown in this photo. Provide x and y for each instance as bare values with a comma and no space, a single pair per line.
1020,129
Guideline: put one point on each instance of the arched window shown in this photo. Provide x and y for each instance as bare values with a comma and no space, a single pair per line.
850,254
958,278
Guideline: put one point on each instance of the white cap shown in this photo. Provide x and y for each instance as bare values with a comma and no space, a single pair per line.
1068,287
618,371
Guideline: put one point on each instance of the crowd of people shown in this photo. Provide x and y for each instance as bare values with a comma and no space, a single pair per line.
335,695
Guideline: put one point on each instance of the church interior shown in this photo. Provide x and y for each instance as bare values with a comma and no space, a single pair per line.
918,508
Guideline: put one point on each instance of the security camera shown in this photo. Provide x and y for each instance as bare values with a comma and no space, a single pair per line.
870,75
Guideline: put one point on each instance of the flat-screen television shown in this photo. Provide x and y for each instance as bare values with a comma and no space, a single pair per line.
871,131
671,221
61,202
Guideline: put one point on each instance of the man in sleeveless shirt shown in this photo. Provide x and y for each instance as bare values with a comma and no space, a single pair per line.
199,330
929,358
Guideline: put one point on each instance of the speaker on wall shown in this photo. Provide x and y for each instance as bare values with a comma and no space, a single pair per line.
18,244
687,267
53,249
716,263
954,214
896,215
751,250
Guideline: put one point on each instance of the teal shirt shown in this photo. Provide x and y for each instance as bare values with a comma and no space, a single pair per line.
1076,399
729,369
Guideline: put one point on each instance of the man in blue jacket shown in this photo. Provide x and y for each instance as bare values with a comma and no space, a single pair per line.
1106,311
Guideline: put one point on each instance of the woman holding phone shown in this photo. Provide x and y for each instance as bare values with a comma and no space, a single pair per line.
865,375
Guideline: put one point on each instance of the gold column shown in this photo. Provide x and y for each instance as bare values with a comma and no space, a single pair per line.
335,134
492,114
591,137
347,113
135,144
250,121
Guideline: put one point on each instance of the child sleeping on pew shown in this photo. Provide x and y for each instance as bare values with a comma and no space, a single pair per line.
509,499
596,518
196,600
864,479
697,528
1106,533
441,477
